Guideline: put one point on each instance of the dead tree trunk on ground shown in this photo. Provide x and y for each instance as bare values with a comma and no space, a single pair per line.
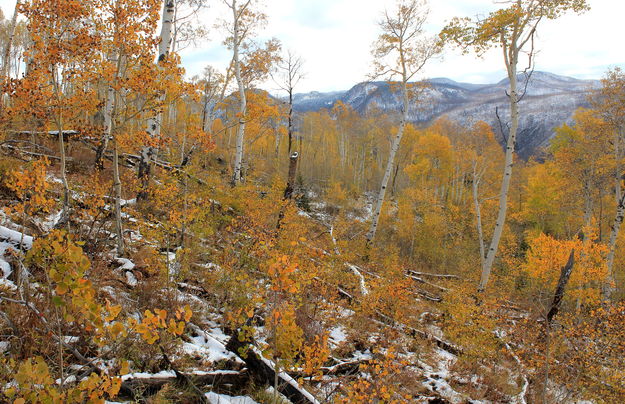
290,184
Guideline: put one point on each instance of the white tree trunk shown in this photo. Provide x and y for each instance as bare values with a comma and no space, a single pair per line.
66,193
60,127
108,118
117,185
588,206
478,215
618,173
391,162
620,214
154,123
6,63
237,177
164,46
507,174
207,119
614,233
109,124
291,118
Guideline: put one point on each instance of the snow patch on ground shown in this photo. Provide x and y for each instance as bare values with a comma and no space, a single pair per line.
51,221
362,356
163,374
338,335
7,284
215,398
14,237
131,279
209,346
4,266
11,239
210,265
437,379
126,264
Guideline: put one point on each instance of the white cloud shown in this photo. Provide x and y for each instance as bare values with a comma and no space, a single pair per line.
334,38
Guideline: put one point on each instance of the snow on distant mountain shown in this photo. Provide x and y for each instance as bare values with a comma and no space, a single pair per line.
550,100
315,100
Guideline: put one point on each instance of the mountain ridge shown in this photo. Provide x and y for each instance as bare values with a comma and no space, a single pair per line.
549,100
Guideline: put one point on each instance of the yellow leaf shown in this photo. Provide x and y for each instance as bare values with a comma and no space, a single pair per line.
113,311
125,368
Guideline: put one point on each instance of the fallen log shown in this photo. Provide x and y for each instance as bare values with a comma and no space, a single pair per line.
386,321
16,238
425,274
340,369
427,296
17,150
139,385
263,371
414,332
423,281
66,133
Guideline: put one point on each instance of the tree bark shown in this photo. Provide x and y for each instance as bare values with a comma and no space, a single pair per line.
478,215
206,111
509,162
264,372
154,123
290,120
61,139
620,214
614,233
108,117
117,184
391,159
237,177
565,275
290,184
6,63
110,129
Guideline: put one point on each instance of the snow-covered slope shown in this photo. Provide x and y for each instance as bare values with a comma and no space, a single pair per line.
549,101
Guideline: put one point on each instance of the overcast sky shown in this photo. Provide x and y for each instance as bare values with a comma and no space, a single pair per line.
334,38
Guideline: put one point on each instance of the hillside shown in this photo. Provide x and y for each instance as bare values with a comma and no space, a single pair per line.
168,238
549,102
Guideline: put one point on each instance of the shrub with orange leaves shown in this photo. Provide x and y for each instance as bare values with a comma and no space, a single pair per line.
315,355
30,186
547,256
153,324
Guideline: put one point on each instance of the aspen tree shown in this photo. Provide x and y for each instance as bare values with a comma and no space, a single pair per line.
250,63
154,123
6,61
401,50
482,147
63,52
609,103
109,122
512,28
186,30
127,25
583,153
290,75
237,37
